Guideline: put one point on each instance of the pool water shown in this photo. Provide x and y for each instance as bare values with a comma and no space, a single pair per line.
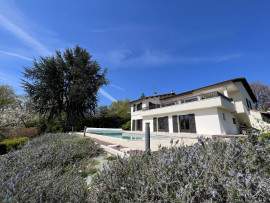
129,136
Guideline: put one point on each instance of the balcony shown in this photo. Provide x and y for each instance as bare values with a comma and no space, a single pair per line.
208,100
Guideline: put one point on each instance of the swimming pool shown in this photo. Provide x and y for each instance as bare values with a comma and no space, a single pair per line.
126,136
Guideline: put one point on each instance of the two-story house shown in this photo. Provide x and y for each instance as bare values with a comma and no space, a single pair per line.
218,109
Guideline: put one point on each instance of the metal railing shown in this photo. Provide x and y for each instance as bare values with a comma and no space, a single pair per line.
188,99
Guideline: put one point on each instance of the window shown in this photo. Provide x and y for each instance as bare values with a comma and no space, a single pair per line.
155,124
139,125
224,118
234,121
163,125
139,106
134,107
250,106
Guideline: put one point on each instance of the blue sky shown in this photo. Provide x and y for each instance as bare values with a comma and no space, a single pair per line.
174,45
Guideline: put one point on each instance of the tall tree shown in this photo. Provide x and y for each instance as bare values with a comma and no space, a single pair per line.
262,93
65,84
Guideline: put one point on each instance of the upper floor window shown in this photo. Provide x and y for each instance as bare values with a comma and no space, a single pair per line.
139,106
134,107
249,106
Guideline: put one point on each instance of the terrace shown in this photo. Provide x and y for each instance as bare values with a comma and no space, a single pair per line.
207,100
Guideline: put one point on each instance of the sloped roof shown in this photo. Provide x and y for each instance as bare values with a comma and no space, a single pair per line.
243,80
172,95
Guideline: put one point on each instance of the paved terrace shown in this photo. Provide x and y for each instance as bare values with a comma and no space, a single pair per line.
138,144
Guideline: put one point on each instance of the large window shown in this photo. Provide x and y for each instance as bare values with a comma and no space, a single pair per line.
163,124
187,123
175,124
139,125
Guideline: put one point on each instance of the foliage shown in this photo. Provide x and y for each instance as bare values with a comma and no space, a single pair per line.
210,171
7,97
45,126
111,158
23,132
7,102
15,110
262,93
127,125
121,108
66,83
46,169
14,143
115,116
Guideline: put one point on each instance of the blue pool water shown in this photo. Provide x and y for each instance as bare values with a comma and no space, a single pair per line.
129,136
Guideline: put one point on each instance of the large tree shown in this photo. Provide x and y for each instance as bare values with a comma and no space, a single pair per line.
262,93
65,85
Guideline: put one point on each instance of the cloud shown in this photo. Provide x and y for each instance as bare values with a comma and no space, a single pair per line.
124,58
117,87
107,95
16,55
24,36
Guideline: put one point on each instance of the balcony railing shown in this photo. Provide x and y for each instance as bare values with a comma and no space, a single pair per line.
187,100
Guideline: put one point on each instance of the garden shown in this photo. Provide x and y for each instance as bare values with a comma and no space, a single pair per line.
54,168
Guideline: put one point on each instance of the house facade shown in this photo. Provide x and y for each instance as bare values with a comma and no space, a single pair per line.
218,109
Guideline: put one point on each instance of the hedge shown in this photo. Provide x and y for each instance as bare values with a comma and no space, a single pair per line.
8,145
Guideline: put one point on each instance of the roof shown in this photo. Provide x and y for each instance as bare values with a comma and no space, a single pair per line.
243,80
172,95
162,96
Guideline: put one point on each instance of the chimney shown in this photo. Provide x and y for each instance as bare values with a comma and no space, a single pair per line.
155,94
172,92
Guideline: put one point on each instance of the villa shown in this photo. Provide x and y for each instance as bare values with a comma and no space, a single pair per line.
223,108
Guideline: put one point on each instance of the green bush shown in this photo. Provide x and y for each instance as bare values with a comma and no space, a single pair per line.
210,171
46,169
127,125
14,143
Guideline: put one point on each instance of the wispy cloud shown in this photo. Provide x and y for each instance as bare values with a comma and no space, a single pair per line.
23,35
124,58
16,55
117,87
107,95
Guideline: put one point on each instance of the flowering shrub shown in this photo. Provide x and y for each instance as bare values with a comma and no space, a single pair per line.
236,171
23,132
46,169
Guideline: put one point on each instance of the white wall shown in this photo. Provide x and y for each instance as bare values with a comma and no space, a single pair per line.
244,94
207,121
227,126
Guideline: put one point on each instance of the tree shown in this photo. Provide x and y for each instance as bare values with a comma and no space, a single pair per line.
7,97
65,84
121,108
262,93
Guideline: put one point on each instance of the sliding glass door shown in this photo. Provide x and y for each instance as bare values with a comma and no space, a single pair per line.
187,123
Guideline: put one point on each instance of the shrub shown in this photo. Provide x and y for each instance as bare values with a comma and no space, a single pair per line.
14,143
23,132
111,158
210,171
46,169
127,125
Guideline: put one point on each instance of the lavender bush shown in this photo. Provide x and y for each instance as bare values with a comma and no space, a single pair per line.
236,171
46,170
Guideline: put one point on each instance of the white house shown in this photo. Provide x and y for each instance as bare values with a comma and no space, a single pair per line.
218,109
